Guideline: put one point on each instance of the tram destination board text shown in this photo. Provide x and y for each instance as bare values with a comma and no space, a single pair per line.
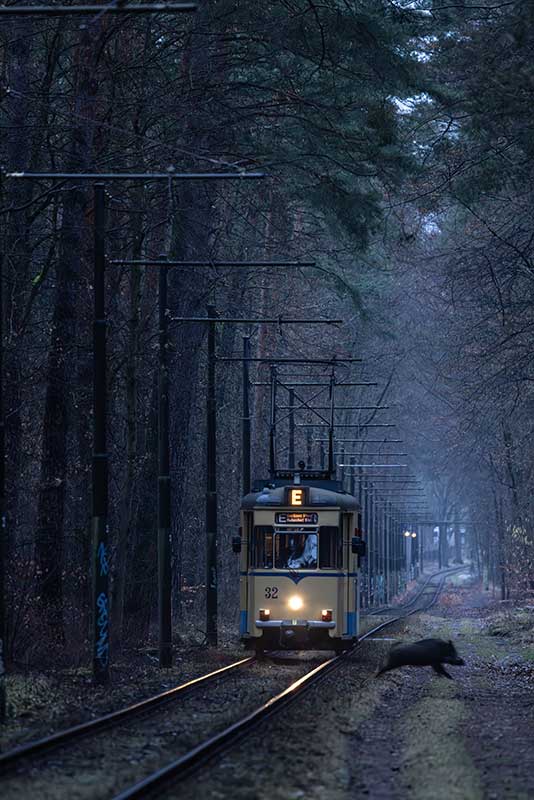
296,518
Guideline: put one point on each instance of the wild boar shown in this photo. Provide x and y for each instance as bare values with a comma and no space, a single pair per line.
425,653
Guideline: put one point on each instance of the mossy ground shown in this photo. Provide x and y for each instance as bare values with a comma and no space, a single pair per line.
436,764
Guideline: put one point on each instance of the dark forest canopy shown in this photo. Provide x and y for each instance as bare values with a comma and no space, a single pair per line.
397,141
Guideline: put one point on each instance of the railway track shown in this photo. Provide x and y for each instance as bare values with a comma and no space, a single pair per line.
182,767
378,612
207,749
39,747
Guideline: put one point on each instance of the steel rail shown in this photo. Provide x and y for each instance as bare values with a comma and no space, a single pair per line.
206,750
36,747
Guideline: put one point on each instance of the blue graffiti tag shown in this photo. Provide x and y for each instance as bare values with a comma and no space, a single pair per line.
102,623
213,578
103,559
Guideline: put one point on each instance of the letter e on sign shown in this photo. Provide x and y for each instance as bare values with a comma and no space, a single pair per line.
296,497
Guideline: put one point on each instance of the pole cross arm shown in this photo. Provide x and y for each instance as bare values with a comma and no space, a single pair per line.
152,262
326,361
315,383
396,481
243,321
112,8
344,408
349,425
387,466
370,476
444,522
351,455
135,176
365,441
406,493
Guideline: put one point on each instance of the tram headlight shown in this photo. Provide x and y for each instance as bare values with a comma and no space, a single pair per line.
326,615
265,614
295,603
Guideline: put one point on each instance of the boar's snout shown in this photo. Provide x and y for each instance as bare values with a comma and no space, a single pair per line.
452,656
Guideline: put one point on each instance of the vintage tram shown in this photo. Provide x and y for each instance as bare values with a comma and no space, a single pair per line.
300,553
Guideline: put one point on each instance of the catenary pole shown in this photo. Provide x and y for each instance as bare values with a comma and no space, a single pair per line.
211,484
331,397
291,461
3,517
100,598
246,417
164,479
272,428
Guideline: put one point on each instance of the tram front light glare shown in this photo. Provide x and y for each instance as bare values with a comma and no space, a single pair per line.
295,603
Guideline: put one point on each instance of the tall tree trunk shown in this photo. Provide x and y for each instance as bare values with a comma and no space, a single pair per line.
499,561
18,233
457,545
50,541
128,503
129,497
443,547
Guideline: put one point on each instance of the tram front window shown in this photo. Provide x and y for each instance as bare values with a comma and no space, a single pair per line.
295,550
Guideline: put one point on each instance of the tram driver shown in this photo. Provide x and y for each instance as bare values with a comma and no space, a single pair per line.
304,552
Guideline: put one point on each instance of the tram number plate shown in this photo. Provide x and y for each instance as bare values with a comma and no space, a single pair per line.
271,592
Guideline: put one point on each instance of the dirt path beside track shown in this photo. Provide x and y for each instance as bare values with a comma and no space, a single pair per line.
470,738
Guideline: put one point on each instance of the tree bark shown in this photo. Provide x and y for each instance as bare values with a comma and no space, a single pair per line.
61,366
457,545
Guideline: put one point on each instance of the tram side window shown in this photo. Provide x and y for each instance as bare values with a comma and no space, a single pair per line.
330,546
262,547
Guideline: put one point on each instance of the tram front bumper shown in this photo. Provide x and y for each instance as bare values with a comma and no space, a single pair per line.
292,624
296,634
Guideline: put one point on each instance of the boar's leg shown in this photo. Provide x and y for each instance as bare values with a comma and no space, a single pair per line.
440,669
385,668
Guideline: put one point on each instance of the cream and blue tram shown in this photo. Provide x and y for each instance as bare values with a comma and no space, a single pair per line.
299,581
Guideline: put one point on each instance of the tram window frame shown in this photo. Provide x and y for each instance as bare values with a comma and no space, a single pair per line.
262,533
335,548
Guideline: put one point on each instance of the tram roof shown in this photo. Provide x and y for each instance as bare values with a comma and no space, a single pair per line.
275,497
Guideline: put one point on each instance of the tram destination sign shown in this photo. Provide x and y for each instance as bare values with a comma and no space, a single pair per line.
296,518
